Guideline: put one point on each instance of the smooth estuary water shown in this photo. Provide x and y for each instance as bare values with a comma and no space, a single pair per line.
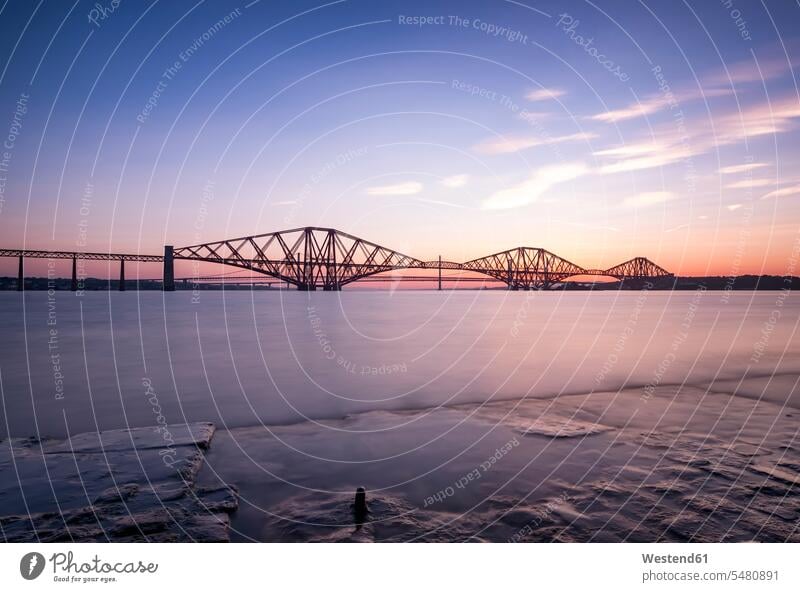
471,415
79,363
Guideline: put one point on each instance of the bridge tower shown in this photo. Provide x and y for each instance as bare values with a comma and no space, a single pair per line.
74,285
169,269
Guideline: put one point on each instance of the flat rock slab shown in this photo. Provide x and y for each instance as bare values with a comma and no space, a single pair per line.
539,418
192,434
118,485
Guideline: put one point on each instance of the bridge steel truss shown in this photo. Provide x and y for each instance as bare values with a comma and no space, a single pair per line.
308,258
314,258
525,268
75,255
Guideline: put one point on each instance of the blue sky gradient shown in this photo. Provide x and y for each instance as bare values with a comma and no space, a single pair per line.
599,131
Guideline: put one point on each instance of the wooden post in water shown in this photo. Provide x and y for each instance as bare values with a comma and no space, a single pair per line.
20,277
440,273
74,285
122,275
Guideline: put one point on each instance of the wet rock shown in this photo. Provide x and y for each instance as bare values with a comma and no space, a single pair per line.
120,485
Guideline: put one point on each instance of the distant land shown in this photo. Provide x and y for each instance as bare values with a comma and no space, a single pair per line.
742,282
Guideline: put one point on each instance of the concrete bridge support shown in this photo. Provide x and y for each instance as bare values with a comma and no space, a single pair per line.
169,269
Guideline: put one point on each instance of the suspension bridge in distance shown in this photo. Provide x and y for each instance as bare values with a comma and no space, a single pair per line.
314,258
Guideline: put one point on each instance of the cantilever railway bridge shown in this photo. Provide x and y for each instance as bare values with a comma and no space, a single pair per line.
313,258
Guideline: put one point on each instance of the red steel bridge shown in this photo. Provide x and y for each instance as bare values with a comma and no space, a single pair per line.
313,258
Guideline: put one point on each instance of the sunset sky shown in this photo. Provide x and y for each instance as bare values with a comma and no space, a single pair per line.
599,131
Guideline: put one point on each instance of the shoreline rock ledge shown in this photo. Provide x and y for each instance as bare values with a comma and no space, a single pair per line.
124,485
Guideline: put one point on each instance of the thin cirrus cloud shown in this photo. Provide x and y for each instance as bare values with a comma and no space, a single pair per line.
544,94
533,117
651,198
673,145
716,84
750,183
771,117
407,188
538,183
441,202
749,71
455,181
655,103
512,144
644,155
639,109
742,168
783,192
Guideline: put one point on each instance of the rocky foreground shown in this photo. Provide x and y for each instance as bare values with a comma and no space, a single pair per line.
116,485
676,464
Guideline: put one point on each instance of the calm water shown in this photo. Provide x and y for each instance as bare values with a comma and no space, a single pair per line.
77,363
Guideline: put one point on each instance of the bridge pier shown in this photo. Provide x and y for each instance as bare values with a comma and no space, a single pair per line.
122,275
169,269
306,287
74,284
20,277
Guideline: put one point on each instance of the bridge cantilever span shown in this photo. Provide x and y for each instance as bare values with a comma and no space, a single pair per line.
525,268
638,267
308,258
312,258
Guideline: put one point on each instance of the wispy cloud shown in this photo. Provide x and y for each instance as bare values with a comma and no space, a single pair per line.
750,183
455,181
407,188
648,199
784,192
533,117
742,168
634,110
749,71
669,144
440,202
633,149
645,155
714,84
288,202
655,103
757,120
545,94
529,191
517,143
679,227
733,207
